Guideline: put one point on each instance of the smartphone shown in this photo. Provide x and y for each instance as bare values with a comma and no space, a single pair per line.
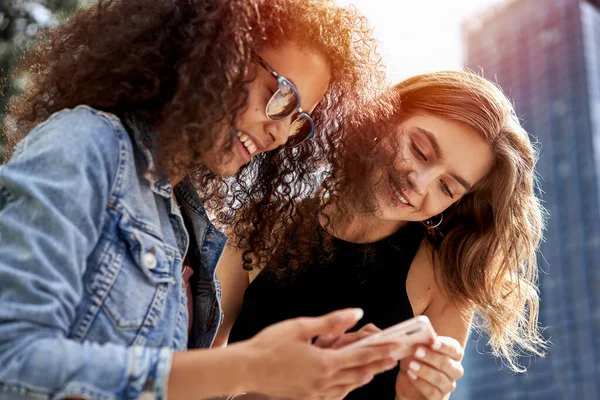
407,334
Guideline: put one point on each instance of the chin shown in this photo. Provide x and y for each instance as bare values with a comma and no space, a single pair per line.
387,214
228,172
225,170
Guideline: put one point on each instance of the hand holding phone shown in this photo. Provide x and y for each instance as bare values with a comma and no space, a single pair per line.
406,334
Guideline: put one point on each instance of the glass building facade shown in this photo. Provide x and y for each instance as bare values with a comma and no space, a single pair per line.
545,54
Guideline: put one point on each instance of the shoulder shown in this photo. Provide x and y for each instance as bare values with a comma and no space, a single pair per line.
79,138
421,284
75,130
425,282
429,296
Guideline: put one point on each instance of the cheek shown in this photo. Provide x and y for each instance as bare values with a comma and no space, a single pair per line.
255,109
222,162
375,181
253,114
209,159
437,205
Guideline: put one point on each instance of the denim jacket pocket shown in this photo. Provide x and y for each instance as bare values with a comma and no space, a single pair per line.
148,253
143,277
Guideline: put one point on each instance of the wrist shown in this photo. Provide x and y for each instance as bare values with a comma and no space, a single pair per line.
225,371
246,369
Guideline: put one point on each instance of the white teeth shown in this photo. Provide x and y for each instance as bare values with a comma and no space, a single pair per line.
398,194
250,145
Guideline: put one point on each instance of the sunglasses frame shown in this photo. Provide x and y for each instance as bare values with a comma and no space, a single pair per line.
283,83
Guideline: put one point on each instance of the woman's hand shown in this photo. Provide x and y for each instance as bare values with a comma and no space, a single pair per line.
432,371
286,364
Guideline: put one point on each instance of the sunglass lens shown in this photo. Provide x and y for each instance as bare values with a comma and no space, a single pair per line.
300,130
282,103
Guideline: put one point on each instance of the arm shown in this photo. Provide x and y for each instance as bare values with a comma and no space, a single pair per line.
234,281
448,319
439,364
280,361
53,196
439,368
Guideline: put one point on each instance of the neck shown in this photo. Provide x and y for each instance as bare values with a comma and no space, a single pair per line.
175,179
177,174
346,222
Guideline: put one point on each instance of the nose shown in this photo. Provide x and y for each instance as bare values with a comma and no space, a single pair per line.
421,181
279,131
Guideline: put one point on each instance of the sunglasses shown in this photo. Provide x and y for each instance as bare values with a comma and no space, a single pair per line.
284,102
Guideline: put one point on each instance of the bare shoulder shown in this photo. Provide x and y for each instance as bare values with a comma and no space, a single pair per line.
429,297
420,282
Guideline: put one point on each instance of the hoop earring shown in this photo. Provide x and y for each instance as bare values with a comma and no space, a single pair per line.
429,223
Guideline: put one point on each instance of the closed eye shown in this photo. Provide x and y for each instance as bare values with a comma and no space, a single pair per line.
446,189
417,151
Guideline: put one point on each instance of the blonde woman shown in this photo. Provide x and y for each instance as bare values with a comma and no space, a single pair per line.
428,209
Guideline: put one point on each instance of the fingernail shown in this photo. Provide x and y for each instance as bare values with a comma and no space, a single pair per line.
436,345
411,375
358,313
420,353
415,366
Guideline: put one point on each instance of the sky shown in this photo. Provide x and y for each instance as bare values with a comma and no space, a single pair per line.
417,36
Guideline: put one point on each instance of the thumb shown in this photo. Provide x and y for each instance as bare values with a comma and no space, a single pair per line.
332,324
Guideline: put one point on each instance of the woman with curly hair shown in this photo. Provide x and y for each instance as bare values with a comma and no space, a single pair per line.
428,208
140,113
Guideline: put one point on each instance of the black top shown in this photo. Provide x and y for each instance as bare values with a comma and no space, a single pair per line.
370,276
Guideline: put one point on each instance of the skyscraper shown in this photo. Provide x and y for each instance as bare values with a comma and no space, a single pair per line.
545,54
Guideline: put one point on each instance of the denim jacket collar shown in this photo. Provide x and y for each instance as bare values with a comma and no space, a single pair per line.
187,191
145,136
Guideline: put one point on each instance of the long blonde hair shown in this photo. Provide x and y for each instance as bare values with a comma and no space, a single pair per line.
488,242
485,249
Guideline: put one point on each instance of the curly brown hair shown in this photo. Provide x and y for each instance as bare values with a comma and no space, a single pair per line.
485,250
184,66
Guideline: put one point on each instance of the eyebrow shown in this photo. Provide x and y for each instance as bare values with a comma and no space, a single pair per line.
440,155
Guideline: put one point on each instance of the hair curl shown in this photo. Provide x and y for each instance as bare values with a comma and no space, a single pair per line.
485,249
184,65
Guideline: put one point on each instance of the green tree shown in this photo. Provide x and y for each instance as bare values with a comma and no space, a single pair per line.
20,22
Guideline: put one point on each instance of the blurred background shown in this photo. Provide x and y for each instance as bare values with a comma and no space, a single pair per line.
545,54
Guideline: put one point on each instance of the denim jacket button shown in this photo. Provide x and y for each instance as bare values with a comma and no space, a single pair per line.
210,236
150,260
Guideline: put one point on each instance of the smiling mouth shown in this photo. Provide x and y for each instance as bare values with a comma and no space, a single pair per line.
397,190
248,143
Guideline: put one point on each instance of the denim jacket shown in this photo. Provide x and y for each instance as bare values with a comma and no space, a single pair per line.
91,297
